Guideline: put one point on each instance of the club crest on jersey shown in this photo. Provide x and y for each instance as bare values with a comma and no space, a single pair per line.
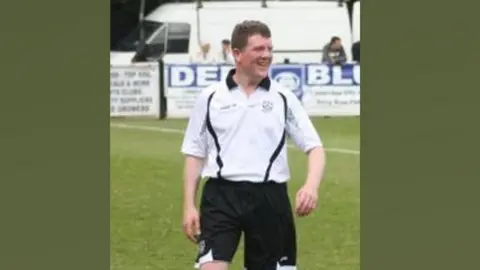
267,106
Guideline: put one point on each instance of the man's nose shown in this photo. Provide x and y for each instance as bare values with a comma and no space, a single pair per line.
266,53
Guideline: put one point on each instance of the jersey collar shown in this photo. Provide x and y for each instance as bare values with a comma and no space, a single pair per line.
231,84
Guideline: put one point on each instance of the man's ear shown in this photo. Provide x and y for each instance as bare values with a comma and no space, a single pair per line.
236,53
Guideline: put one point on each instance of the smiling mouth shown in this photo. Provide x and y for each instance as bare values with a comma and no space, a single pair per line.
263,63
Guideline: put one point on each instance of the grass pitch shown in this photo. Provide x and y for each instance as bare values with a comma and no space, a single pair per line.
146,198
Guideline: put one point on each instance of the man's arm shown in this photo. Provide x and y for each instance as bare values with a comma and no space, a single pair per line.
342,59
301,130
192,171
316,166
326,56
191,218
194,148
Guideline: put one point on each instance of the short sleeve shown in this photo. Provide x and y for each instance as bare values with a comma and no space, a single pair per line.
195,138
299,126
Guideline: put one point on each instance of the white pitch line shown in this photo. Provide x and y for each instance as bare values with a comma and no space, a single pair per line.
148,128
179,131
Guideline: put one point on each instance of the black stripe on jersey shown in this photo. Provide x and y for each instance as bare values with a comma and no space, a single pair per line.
281,143
214,136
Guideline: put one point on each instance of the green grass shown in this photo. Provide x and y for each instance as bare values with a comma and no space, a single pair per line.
146,199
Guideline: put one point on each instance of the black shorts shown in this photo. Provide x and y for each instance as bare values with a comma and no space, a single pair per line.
262,211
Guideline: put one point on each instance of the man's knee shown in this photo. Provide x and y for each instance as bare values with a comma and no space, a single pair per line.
214,265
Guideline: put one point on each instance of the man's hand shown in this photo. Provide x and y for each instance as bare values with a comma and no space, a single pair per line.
191,223
306,200
307,196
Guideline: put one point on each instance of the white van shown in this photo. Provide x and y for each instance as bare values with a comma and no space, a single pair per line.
300,29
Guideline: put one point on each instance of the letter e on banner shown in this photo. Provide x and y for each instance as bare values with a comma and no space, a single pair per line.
207,75
224,72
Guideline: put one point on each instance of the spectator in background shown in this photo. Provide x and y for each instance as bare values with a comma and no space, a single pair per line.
333,52
356,51
204,56
225,56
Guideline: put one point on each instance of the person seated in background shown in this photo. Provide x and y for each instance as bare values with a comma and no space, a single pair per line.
204,56
225,56
334,53
356,51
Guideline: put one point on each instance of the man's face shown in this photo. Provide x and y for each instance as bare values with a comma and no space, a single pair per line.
205,47
256,57
337,44
226,46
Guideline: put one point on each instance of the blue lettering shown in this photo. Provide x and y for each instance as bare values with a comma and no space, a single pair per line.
332,75
199,76
195,75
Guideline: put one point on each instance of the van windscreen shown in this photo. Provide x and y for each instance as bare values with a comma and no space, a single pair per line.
130,42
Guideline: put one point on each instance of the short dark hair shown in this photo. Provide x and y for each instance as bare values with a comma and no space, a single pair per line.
226,42
244,30
334,38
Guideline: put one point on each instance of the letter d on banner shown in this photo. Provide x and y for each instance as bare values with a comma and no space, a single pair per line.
207,75
181,76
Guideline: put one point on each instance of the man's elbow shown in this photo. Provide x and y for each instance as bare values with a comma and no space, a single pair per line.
316,150
193,163
194,157
193,151
317,156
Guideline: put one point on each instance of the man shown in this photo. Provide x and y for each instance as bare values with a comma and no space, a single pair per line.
334,53
204,56
356,51
225,55
236,137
